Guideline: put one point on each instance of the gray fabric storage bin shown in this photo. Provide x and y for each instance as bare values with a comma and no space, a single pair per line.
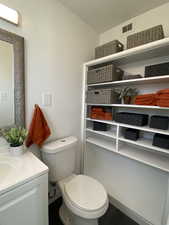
146,36
108,49
102,96
103,74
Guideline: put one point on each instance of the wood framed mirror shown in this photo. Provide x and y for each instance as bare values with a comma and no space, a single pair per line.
12,82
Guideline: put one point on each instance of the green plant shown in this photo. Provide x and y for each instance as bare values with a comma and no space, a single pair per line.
15,136
126,91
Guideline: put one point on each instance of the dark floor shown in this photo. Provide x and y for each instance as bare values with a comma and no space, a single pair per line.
112,217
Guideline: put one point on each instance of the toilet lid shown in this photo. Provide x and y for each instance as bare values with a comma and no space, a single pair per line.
86,193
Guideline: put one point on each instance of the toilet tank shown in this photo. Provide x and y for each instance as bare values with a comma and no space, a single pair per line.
60,156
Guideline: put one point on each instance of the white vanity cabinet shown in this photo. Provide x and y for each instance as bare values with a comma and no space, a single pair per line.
26,204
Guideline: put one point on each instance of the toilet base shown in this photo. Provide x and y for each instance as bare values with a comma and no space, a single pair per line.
68,218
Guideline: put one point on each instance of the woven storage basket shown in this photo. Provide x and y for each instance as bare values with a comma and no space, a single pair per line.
146,36
132,118
103,74
102,96
108,49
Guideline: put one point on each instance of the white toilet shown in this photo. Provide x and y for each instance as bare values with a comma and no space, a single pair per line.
84,198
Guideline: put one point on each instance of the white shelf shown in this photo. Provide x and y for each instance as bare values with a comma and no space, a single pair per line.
148,80
142,156
130,106
109,145
144,128
148,158
146,143
109,134
103,121
143,52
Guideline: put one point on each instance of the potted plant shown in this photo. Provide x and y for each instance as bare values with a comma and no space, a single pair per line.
126,94
15,137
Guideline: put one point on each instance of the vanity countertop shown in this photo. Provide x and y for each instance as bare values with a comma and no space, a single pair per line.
17,170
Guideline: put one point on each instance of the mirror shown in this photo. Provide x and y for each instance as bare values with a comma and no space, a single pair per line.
6,84
12,100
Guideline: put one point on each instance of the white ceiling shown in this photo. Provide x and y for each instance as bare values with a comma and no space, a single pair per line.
104,14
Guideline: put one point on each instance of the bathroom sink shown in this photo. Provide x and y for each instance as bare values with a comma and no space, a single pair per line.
15,170
7,167
5,170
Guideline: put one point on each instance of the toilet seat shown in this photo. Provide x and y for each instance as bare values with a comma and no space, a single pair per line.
85,196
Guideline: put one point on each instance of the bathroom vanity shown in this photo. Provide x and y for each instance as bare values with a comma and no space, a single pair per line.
23,190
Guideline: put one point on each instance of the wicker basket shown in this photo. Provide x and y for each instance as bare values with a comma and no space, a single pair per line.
103,74
146,36
108,49
102,96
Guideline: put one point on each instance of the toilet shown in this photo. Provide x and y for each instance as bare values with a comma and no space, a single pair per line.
84,198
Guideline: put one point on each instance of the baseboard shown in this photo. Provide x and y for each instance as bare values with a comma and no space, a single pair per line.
130,213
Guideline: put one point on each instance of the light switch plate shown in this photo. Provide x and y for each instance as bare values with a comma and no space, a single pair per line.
3,96
47,99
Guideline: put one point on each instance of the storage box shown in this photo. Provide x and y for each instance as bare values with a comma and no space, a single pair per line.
161,140
159,122
131,134
102,96
146,36
108,49
132,118
100,126
107,73
157,70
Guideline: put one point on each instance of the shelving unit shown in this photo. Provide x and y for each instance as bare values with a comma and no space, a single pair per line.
142,150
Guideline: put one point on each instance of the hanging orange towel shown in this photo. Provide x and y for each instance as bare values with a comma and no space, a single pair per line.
39,130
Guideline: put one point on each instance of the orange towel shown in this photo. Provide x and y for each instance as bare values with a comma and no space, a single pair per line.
145,96
162,96
164,91
39,130
146,99
163,103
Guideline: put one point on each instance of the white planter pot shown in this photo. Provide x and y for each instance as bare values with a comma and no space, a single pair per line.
15,151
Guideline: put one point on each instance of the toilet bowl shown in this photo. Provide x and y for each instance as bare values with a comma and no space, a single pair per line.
84,198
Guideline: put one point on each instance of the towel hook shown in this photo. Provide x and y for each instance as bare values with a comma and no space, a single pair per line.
36,105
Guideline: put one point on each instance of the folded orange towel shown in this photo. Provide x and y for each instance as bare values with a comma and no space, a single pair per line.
145,96
39,130
146,99
162,96
163,103
164,91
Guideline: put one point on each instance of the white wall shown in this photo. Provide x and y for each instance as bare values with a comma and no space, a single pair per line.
139,187
147,20
57,42
6,84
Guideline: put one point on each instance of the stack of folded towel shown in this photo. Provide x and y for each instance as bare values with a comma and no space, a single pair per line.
162,98
146,99
100,114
